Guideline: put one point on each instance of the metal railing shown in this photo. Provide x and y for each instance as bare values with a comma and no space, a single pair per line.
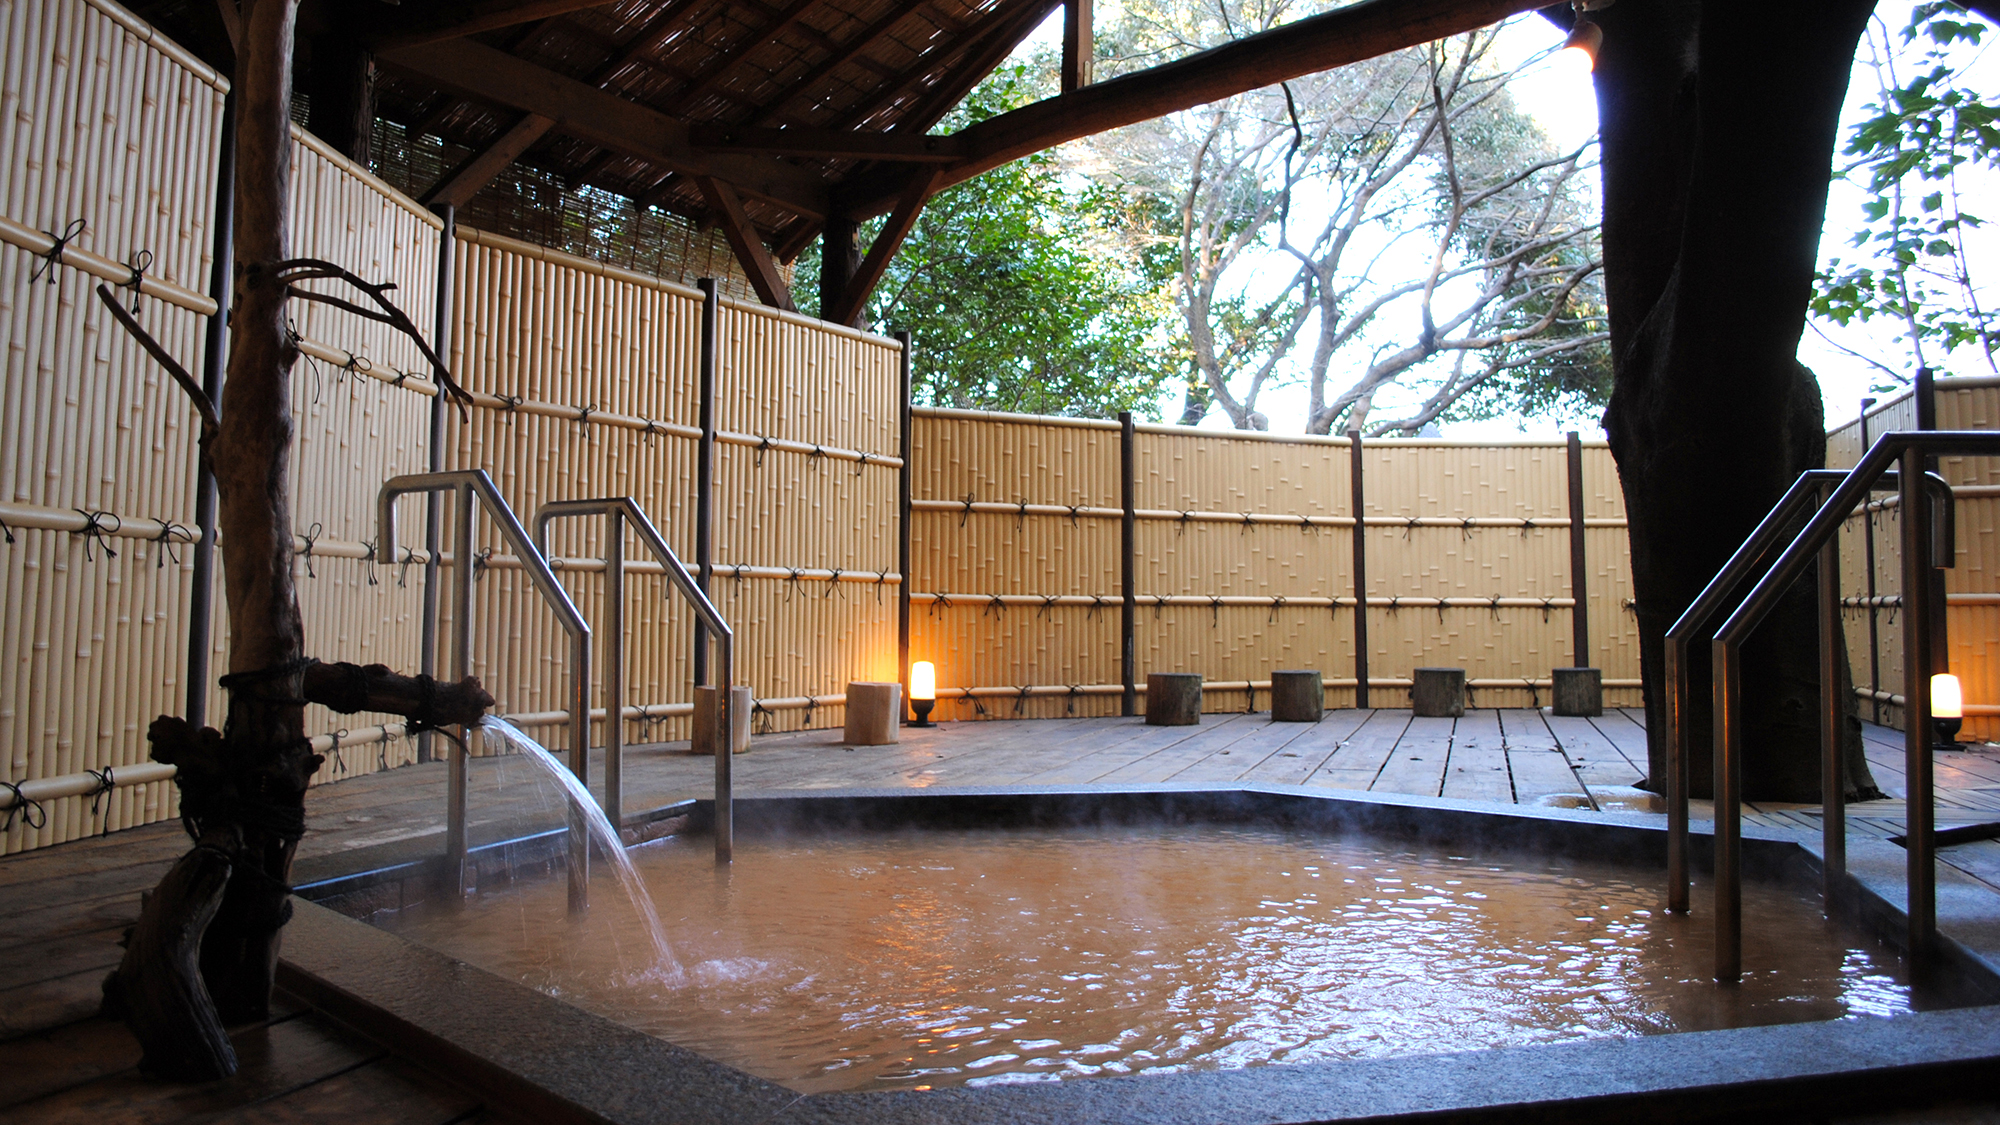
1927,530
468,483
620,511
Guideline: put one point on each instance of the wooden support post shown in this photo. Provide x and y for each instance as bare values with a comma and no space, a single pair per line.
1079,44
215,353
839,257
1128,565
1579,574
751,254
1360,571
433,512
704,463
340,86
903,482
854,296
1868,561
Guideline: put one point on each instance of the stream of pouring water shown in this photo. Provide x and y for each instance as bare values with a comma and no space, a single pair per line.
601,829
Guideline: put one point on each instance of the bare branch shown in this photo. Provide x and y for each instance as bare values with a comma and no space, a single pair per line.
203,405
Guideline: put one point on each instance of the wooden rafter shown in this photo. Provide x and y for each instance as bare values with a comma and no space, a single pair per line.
846,54
828,144
972,67
411,25
603,119
940,54
1079,45
763,273
459,185
855,293
706,78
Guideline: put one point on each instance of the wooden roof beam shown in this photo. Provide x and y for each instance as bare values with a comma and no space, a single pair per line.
828,144
462,183
909,207
764,275
454,19
603,119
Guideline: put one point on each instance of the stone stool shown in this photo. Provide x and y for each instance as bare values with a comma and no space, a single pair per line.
1578,691
874,714
1438,693
707,724
1297,696
1173,699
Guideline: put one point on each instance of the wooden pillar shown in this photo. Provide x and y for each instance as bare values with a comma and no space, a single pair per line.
1360,571
839,258
1128,659
1079,45
1868,562
903,486
1579,574
340,86
704,465
215,352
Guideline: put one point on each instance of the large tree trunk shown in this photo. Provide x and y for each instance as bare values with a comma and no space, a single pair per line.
1718,124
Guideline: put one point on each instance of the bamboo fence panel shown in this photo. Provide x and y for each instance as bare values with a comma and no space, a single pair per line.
102,123
1972,587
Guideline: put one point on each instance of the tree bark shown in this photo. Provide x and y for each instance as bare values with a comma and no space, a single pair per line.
1718,126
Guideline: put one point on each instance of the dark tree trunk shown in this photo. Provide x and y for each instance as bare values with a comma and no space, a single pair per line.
1719,121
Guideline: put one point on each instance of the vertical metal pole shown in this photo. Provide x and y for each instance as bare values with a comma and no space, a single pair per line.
725,755
1128,565
214,359
461,662
704,471
1360,569
1579,574
1932,600
1868,554
1677,776
614,668
1728,817
905,435
433,504
1915,518
1832,717
579,764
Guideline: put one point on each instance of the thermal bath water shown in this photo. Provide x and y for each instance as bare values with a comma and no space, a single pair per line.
933,958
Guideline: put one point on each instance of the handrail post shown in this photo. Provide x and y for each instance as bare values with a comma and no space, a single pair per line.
1915,519
905,440
1832,717
458,757
614,669
1728,785
1579,572
704,461
1360,570
1678,749
1128,568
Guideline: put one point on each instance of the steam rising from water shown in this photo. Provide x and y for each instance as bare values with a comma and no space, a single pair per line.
602,831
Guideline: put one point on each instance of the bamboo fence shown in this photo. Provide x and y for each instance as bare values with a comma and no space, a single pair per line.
1972,587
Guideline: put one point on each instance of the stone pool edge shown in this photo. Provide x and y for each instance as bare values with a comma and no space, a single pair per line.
538,1057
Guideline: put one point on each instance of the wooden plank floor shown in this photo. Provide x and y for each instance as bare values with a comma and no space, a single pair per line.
71,903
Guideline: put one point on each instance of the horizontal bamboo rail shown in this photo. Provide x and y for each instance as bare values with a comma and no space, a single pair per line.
1898,699
1272,601
1892,601
1041,691
1023,509
590,415
40,243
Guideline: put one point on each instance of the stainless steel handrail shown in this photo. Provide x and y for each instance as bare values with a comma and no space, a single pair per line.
619,511
1752,558
1819,539
468,483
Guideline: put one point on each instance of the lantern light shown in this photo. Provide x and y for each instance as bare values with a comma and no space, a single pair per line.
1579,52
923,691
1947,709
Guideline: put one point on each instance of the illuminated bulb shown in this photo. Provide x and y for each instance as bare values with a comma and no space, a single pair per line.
923,691
1579,53
1947,701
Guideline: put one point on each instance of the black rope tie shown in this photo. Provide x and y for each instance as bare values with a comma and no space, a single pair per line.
816,454
1249,697
1021,517
738,573
1073,509
1494,605
967,514
1048,601
166,539
339,765
1277,604
791,584
995,605
881,580
1186,518
510,403
481,562
1021,700
53,257
1547,605
1409,528
1395,603
368,569
1096,605
1465,528
833,586
1440,608
1534,694
1306,526
310,535
403,566
105,784
401,376
6,530
649,431
1527,525
142,260
1069,705
94,529
940,603
763,714
763,447
978,708
1215,611
583,414
1159,603
32,812
1248,523
806,720
860,463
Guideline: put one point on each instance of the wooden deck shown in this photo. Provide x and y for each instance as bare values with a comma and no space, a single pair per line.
70,904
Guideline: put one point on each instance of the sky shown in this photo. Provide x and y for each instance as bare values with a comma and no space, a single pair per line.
1560,100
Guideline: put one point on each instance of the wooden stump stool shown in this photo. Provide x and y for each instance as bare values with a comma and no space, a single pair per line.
874,714
1297,696
1438,693
1578,691
1173,699
708,724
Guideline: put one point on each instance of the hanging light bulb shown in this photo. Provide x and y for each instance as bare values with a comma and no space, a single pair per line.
1579,52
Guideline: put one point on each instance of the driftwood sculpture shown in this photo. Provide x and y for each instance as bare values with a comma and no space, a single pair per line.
206,946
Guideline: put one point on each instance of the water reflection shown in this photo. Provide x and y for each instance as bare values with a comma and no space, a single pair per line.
987,956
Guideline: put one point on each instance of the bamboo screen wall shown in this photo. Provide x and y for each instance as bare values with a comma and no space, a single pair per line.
1972,588
1244,563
